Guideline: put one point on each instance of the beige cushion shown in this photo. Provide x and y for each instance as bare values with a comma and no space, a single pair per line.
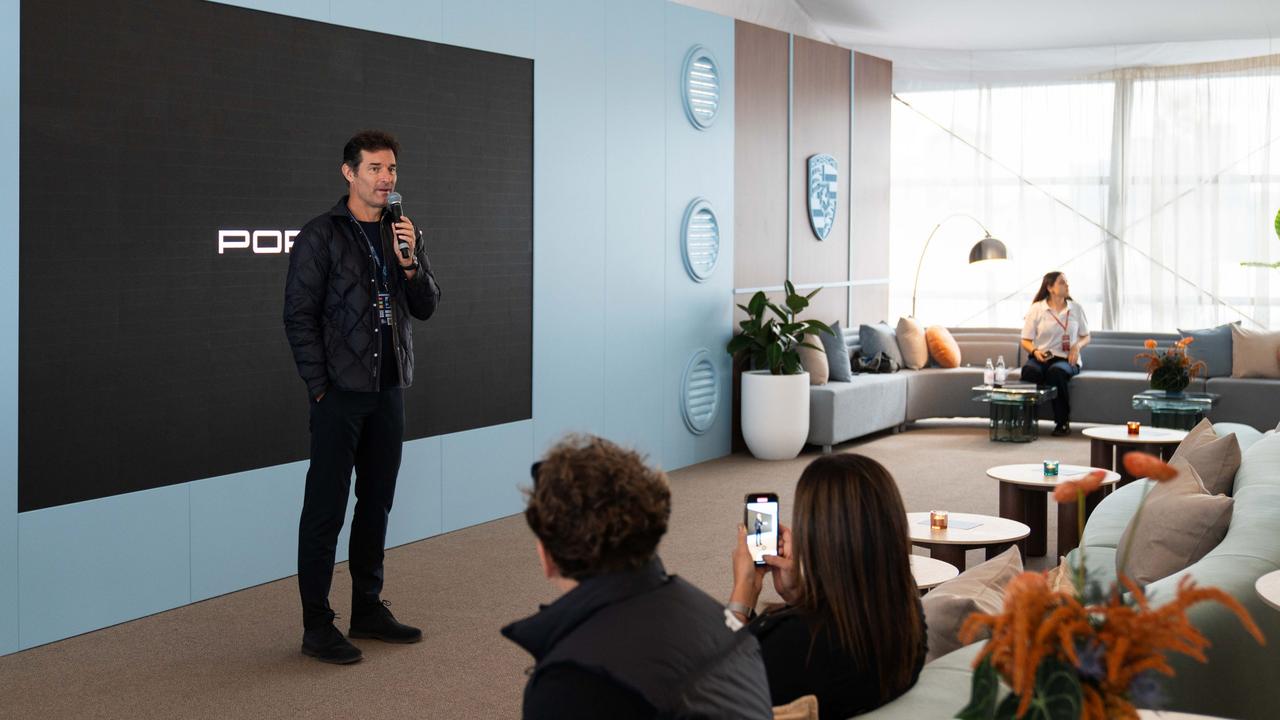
915,351
1215,459
815,362
802,708
978,589
1060,579
1254,353
1180,524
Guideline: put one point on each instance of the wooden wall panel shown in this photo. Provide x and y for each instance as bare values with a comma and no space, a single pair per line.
760,156
872,95
820,124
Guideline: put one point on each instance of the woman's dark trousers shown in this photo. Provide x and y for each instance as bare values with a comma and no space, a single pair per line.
364,431
1055,373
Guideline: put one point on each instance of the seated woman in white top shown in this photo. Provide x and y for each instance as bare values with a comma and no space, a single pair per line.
1053,335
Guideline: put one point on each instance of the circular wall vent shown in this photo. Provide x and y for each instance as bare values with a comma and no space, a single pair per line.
700,392
700,240
700,85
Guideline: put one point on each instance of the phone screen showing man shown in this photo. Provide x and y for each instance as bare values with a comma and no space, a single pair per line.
762,527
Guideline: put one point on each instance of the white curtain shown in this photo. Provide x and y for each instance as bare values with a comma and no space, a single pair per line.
1147,187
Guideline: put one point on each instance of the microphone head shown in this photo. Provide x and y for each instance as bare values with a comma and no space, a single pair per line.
394,205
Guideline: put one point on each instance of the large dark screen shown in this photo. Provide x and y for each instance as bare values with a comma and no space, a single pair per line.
152,352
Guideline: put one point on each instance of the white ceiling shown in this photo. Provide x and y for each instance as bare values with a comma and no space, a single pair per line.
940,43
1038,24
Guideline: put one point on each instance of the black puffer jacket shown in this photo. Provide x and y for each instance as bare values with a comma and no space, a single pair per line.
329,299
651,635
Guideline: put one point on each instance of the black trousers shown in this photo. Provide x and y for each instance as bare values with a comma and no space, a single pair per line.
1057,373
364,431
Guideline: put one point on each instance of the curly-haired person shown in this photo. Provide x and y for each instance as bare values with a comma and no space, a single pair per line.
626,639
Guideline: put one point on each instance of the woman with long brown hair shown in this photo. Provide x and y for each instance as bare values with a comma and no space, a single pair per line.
1053,334
852,630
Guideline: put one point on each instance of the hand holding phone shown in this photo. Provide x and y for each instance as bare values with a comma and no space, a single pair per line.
760,517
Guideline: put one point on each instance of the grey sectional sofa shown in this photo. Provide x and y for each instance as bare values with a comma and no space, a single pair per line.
1102,393
1241,679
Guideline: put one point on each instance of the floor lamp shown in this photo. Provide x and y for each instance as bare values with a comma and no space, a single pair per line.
988,248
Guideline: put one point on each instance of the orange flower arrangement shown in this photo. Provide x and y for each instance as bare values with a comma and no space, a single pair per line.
1172,369
1068,659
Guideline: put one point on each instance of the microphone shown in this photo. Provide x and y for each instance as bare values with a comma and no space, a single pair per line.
396,209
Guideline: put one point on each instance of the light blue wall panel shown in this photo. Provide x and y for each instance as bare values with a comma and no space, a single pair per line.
484,470
97,563
568,220
699,164
501,26
419,509
635,199
419,19
244,528
9,329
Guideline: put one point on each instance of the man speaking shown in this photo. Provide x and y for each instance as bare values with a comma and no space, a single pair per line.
356,275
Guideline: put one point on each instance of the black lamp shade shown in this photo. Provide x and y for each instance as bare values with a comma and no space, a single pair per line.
988,248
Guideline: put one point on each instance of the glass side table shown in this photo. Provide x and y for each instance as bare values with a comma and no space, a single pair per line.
1013,410
1176,411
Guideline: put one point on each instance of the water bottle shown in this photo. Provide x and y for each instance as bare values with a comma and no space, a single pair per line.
989,374
1001,372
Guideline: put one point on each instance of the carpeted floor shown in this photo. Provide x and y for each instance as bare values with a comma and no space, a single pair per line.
237,656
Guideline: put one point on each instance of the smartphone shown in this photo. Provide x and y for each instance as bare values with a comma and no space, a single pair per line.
761,518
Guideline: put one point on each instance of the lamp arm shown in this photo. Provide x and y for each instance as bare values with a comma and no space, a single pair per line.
915,286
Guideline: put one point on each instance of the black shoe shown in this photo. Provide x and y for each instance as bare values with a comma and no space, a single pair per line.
326,644
377,622
1062,430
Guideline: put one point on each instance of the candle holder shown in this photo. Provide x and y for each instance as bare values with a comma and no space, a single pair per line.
938,520
1134,427
1051,468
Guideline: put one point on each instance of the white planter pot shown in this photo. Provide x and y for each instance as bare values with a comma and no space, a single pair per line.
775,414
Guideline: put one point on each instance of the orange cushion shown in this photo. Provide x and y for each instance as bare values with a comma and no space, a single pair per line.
943,348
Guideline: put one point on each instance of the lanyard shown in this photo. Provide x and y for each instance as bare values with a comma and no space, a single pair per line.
1066,334
382,268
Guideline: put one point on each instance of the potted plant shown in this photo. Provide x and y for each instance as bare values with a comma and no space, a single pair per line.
1171,370
775,391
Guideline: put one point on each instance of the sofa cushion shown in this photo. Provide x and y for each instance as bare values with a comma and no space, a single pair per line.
1254,353
911,343
942,347
978,589
840,411
1246,435
838,366
1212,346
814,361
1216,459
1180,524
878,338
1259,465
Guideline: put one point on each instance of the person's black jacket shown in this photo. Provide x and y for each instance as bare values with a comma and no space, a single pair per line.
801,663
329,304
639,644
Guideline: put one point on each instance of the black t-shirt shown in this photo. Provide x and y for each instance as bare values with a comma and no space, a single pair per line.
389,371
800,663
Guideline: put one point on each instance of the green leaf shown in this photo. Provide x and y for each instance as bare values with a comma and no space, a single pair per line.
811,346
797,303
775,358
810,295
791,363
1278,223
789,287
1057,694
756,306
738,344
982,693
784,315
816,326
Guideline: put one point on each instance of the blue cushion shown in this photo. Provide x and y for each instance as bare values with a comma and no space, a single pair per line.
879,338
837,355
1213,347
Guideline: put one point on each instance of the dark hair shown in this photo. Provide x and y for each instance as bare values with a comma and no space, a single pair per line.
1050,278
597,507
367,140
852,549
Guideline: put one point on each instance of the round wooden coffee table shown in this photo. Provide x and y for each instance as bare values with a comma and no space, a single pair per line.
1108,444
1268,586
929,572
1024,492
965,532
